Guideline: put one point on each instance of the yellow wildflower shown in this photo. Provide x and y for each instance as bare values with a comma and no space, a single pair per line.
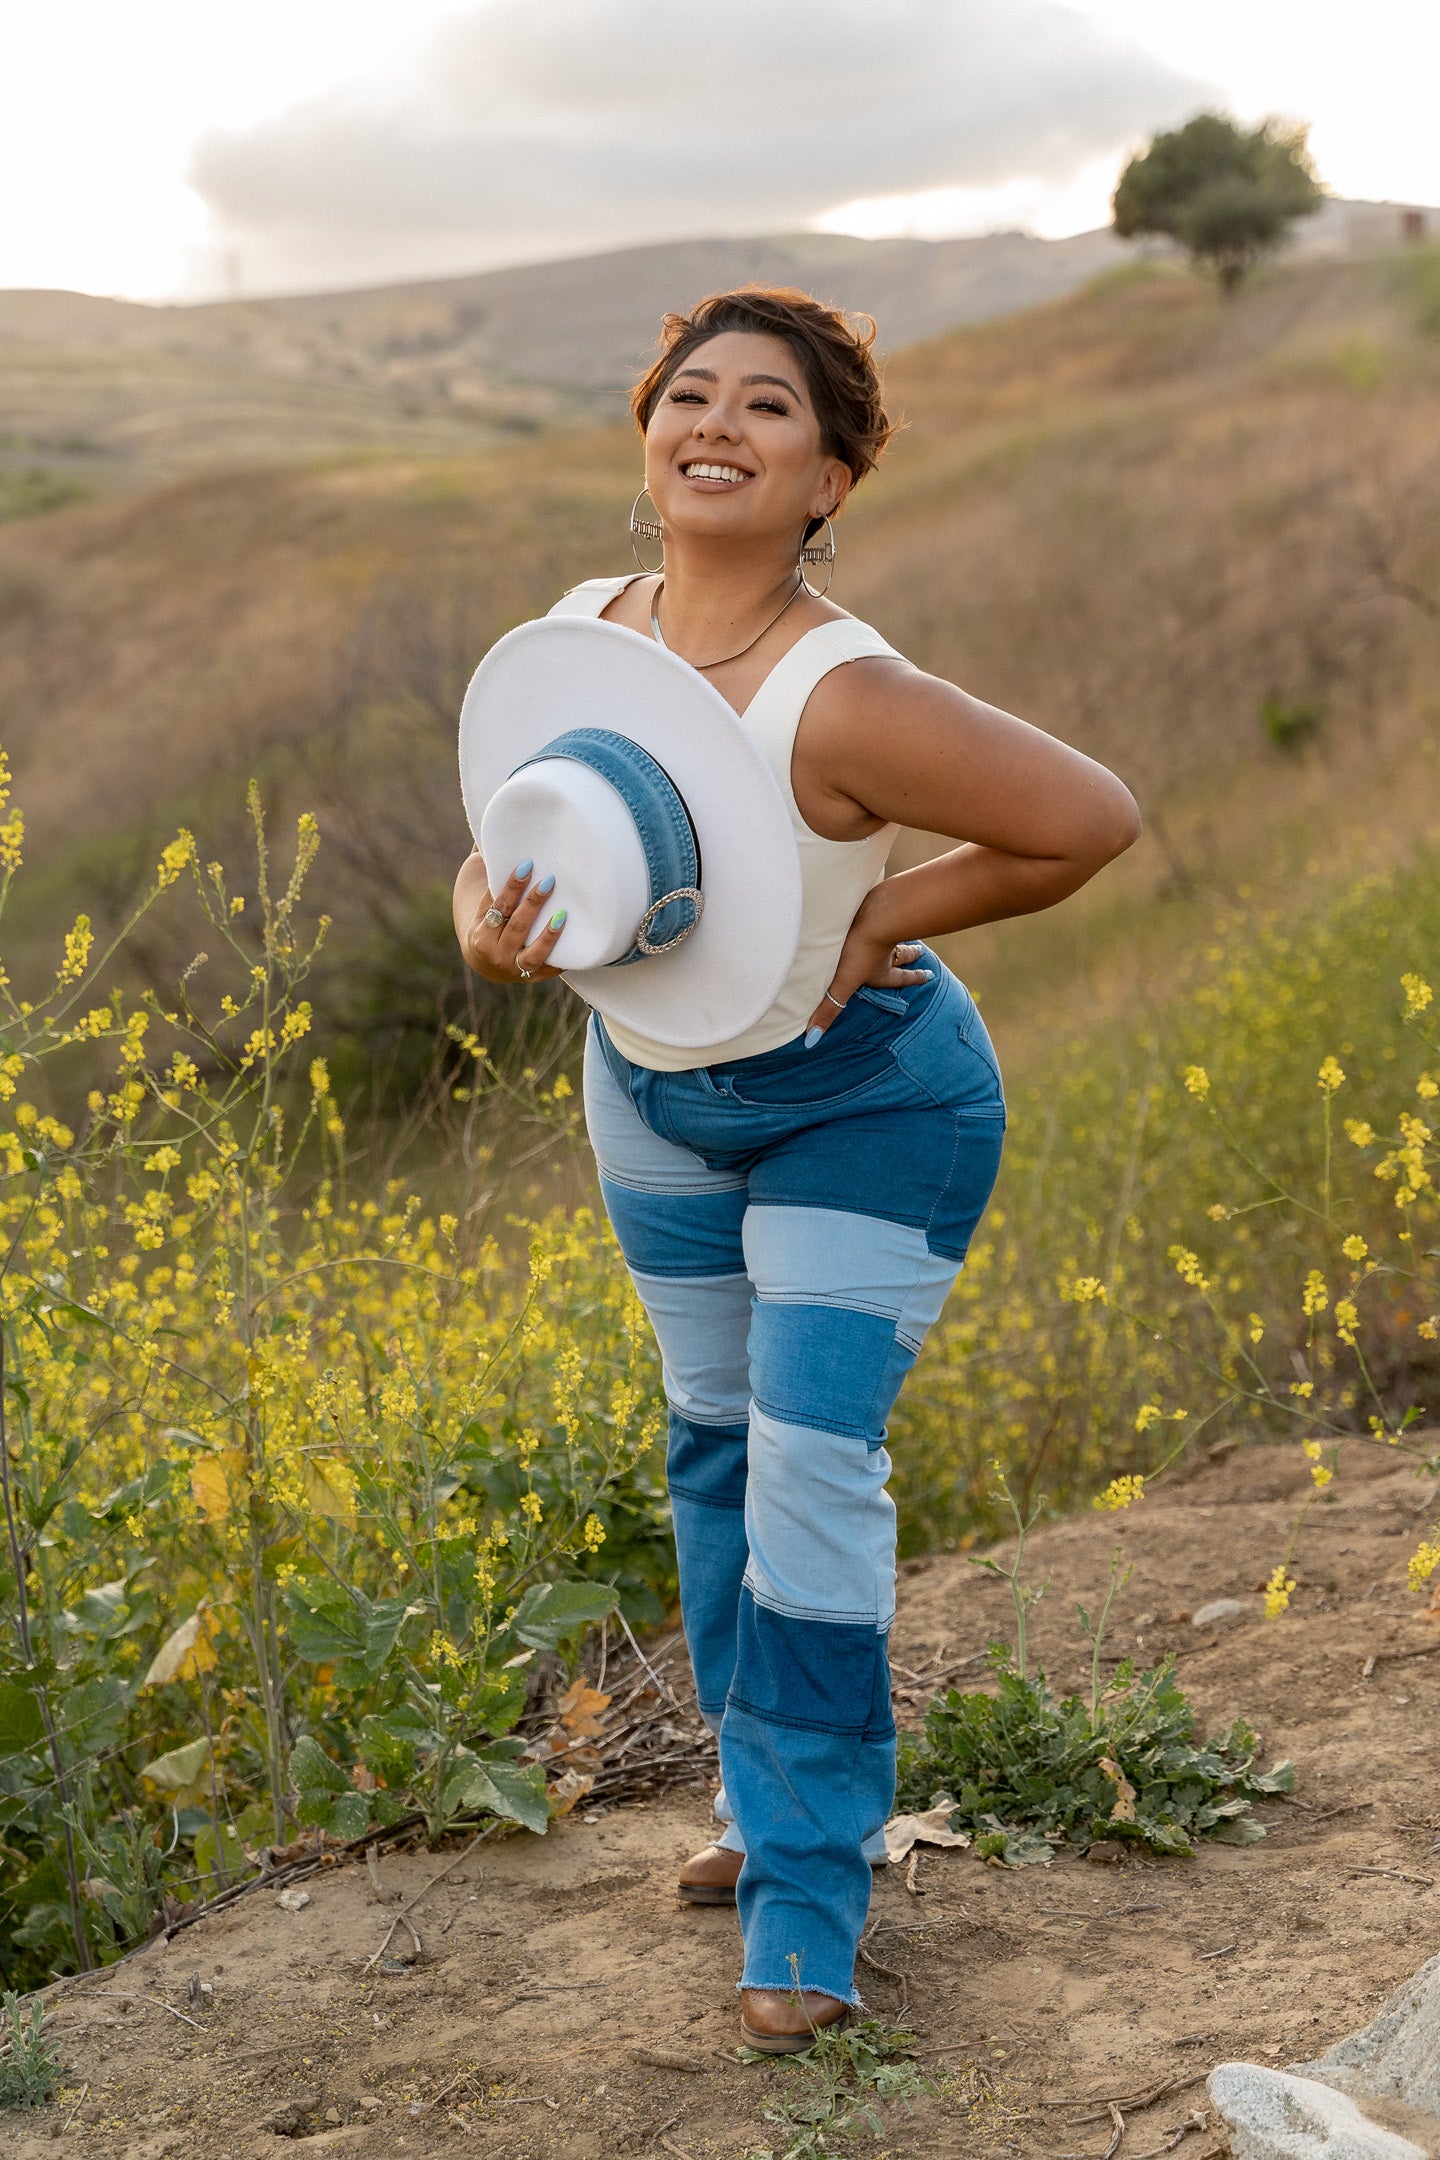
1418,994
77,952
1147,1415
1120,1493
1278,1592
1330,1076
1086,1290
1188,1268
593,1533
1347,1319
1303,1388
1355,1248
174,857
1423,1563
1427,1087
1316,1297
1197,1080
1360,1131
1257,1327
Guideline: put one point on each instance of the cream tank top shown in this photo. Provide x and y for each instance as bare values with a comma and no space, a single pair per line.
835,875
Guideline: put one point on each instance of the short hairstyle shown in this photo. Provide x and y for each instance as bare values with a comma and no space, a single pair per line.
837,360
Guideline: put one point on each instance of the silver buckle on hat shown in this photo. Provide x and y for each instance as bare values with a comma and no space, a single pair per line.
684,892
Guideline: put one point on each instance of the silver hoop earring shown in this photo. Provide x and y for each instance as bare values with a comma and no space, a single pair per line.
824,553
645,529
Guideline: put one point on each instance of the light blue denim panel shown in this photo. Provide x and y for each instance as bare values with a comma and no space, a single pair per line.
628,1152
702,1326
820,1525
862,1263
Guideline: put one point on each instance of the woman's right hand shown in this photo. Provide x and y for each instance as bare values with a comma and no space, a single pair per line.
497,930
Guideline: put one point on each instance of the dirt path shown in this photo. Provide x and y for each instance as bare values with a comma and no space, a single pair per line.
547,1962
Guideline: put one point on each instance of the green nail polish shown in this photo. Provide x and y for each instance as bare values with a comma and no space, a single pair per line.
557,920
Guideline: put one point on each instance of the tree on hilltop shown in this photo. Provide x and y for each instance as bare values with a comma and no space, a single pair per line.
1227,195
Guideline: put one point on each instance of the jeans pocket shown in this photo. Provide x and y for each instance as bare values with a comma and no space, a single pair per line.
949,1057
892,1001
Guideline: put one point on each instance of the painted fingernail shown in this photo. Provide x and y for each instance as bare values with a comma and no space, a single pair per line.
523,869
546,885
557,920
813,1037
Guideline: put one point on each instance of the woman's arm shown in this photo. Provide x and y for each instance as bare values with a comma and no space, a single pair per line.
1036,819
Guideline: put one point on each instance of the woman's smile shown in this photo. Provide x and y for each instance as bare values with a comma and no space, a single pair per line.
705,474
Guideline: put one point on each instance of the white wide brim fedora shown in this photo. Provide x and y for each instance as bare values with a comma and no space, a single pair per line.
571,673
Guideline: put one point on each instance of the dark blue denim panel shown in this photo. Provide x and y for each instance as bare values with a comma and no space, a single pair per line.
707,1462
804,1804
677,1234
714,1553
825,1366
923,1166
818,1676
853,1053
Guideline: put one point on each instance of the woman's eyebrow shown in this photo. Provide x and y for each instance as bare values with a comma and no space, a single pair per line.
749,381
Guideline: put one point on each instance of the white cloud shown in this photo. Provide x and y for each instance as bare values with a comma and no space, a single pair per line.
528,128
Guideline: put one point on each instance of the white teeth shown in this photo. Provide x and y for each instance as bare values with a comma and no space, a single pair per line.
715,472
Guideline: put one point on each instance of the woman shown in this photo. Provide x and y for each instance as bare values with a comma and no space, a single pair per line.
794,1205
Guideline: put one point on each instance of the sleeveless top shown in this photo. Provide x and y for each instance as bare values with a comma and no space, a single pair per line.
835,875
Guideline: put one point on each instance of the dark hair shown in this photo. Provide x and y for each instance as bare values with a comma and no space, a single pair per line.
838,363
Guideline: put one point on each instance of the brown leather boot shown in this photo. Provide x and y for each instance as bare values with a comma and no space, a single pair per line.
710,1877
778,2021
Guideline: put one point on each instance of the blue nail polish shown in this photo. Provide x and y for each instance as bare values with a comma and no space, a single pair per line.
523,869
546,885
557,920
813,1037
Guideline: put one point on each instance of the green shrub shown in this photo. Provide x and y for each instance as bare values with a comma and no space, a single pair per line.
30,2071
1017,1763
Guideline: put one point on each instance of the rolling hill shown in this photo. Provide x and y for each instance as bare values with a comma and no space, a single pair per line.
108,393
1175,531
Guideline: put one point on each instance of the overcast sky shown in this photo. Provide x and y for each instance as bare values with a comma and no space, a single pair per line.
184,147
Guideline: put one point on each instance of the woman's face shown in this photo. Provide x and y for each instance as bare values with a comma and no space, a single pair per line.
733,446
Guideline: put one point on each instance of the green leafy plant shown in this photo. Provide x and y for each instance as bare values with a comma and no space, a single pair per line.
846,2077
30,2070
1027,1772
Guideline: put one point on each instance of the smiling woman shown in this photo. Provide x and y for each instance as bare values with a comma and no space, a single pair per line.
793,1202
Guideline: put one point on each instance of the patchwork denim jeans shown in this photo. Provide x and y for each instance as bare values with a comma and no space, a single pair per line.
793,1223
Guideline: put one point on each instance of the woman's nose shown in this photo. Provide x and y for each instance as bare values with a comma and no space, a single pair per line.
716,424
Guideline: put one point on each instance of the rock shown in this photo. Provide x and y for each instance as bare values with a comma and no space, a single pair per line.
293,2116
1397,2056
1219,1611
1105,1852
1272,2115
293,1900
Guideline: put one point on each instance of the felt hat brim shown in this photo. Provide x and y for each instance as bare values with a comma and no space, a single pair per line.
573,671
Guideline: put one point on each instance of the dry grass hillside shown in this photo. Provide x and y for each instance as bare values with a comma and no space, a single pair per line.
1141,517
108,393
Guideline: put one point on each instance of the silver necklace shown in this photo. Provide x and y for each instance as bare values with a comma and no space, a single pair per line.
703,666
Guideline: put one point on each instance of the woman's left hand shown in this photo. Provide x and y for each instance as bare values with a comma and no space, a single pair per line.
867,959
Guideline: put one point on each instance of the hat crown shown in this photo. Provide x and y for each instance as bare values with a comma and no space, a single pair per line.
604,806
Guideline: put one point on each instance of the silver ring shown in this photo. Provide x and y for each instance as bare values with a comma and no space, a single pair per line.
524,972
496,918
838,1004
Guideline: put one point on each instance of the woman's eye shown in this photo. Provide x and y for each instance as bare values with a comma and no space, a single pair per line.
775,405
686,397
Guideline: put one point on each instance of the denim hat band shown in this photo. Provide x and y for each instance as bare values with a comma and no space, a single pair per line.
662,823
